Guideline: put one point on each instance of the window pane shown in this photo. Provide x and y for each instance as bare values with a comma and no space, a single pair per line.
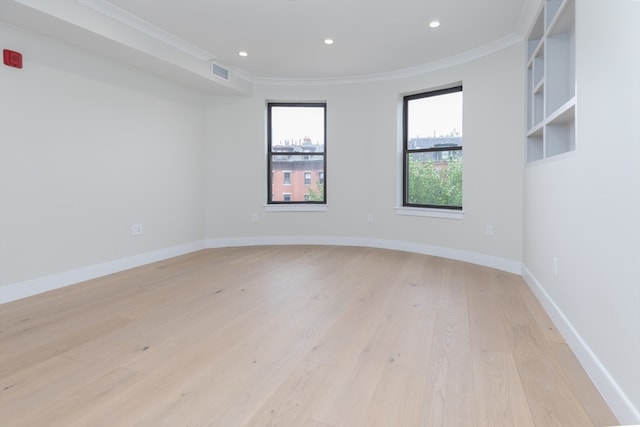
435,119
297,128
296,176
435,178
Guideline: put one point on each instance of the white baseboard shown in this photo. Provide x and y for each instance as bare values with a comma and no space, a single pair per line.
615,397
28,288
499,263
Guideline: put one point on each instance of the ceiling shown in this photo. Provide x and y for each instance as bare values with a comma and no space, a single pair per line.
284,38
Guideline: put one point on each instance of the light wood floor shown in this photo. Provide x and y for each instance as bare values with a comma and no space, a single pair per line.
293,336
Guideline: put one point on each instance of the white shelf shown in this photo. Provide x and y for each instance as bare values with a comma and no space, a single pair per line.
539,87
535,35
551,93
539,48
566,113
564,18
535,146
536,130
538,66
551,9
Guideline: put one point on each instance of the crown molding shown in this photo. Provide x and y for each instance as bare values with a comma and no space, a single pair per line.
108,10
462,58
114,12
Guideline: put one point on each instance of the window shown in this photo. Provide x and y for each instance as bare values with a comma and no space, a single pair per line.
432,149
297,149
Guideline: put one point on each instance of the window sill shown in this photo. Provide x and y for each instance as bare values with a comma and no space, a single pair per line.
430,212
295,208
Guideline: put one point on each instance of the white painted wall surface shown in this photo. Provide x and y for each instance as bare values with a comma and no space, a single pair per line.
89,147
363,162
585,210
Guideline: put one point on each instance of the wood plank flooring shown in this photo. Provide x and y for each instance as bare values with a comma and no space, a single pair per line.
309,336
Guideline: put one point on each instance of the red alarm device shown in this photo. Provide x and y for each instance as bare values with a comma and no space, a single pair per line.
12,58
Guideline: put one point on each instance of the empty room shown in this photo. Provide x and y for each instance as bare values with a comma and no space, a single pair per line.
306,213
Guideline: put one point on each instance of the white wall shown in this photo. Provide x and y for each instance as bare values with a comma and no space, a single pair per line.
585,209
363,164
89,147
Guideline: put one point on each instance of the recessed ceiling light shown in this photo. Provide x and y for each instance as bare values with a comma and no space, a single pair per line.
328,41
434,24
243,53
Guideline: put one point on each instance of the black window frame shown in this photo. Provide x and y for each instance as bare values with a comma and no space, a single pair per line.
302,155
406,151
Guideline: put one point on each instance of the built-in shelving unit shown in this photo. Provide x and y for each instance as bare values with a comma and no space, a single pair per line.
551,83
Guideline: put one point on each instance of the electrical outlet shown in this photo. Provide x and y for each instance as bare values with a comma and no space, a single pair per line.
136,229
488,230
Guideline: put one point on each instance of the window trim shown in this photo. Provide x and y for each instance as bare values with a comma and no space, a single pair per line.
271,153
406,151
430,212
